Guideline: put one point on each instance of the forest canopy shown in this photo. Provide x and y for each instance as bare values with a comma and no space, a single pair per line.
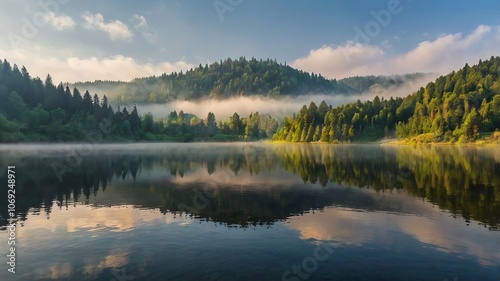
461,106
241,77
36,111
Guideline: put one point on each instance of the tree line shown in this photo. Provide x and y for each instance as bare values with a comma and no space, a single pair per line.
34,111
462,106
362,84
238,77
224,79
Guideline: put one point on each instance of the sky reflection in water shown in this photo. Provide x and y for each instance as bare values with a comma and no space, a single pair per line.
252,211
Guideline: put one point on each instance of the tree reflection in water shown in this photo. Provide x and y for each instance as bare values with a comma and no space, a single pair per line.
463,180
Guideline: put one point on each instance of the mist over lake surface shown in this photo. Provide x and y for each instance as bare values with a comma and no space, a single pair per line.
254,211
276,107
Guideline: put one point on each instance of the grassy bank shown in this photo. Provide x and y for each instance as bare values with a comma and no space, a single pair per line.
431,139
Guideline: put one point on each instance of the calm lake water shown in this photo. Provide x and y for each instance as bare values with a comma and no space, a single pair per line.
253,212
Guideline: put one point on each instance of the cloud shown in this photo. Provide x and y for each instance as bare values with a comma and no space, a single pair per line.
75,69
61,22
119,68
336,61
442,55
448,52
141,22
115,29
141,25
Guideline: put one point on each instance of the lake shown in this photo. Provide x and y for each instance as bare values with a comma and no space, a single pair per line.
252,211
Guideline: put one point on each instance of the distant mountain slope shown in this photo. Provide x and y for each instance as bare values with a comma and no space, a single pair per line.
230,78
36,111
363,84
460,106
219,80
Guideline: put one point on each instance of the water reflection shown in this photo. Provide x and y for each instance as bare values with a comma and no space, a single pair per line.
254,184
364,228
251,211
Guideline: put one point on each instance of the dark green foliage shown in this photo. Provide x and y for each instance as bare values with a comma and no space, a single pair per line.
363,84
62,115
457,107
240,77
219,80
351,122
461,106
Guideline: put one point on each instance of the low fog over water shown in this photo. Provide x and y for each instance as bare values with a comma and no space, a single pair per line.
278,108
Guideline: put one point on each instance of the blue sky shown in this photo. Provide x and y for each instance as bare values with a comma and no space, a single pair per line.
119,40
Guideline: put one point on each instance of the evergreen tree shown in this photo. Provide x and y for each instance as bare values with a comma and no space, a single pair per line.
459,105
135,122
87,104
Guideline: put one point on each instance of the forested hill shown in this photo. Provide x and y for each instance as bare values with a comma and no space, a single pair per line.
221,80
461,106
240,77
36,111
361,84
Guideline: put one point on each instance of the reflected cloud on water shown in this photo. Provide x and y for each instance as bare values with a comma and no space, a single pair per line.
129,206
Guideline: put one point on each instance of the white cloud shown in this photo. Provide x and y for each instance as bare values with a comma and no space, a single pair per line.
141,24
442,55
332,61
74,69
61,22
115,29
120,68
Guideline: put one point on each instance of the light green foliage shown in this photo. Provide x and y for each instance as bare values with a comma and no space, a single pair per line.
457,107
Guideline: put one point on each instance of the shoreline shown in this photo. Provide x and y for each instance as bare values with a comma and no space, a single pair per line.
400,142
480,143
385,142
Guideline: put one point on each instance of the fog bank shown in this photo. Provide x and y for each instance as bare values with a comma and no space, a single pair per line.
278,108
